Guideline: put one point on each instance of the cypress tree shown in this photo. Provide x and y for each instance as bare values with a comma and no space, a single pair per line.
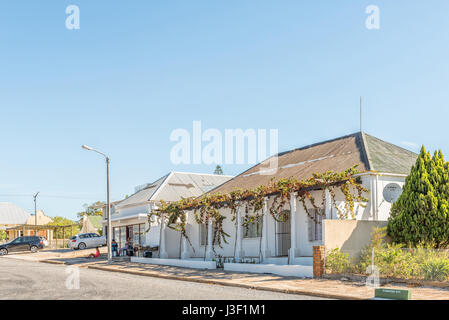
421,213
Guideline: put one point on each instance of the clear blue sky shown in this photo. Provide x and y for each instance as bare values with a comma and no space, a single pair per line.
136,70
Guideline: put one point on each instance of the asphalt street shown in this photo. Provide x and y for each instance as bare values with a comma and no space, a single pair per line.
20,279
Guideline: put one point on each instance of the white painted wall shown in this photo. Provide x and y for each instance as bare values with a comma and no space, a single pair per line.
383,206
152,236
193,233
300,271
304,246
128,211
177,263
173,243
251,246
376,196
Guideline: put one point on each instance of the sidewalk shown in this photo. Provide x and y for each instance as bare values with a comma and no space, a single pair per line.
335,289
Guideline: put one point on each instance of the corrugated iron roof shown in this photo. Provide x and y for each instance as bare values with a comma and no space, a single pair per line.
175,185
12,214
386,157
339,154
186,185
144,194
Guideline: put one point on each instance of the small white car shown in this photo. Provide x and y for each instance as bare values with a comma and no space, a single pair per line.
86,240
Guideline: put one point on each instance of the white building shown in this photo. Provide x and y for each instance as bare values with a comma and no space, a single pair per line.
384,166
130,216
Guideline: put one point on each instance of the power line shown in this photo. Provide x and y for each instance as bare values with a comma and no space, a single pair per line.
49,196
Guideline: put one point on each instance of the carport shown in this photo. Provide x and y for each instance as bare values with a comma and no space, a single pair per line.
47,231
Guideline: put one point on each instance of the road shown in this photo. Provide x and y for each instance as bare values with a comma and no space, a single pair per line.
20,279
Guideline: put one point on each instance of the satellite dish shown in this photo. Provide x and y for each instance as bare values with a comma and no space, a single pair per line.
392,192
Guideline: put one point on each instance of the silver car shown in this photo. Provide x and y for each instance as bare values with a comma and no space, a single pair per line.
86,240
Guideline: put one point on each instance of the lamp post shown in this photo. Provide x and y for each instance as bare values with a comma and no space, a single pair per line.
35,214
108,212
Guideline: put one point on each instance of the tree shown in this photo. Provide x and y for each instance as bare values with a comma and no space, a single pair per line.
218,170
61,221
94,209
421,214
3,235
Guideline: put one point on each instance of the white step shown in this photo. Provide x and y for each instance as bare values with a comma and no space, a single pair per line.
300,271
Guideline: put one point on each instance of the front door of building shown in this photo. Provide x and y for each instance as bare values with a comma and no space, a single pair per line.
129,233
282,237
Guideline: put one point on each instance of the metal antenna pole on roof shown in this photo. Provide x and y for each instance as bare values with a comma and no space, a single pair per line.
361,119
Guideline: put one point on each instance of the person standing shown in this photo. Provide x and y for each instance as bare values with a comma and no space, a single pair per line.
129,246
114,246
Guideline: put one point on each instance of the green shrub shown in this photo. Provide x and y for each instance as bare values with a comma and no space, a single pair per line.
436,269
398,261
394,260
421,212
338,262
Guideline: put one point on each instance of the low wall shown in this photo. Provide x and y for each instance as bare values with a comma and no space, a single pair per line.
283,270
194,264
349,235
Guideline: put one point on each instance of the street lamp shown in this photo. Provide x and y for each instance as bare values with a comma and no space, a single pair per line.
108,212
35,214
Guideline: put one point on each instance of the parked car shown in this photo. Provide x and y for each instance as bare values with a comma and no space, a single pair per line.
86,240
20,244
44,241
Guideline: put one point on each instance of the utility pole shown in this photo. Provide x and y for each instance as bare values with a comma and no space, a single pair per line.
35,213
108,210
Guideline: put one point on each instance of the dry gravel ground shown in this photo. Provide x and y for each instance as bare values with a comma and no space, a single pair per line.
21,279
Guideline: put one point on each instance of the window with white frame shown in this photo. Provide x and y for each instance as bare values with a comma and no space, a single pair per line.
142,233
253,229
203,234
315,225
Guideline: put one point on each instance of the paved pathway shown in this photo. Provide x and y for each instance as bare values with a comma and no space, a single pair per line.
319,287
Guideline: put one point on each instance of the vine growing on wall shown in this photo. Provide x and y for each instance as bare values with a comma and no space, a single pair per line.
252,201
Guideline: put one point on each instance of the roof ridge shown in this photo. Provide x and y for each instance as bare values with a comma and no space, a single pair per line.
203,174
151,183
164,178
318,144
365,151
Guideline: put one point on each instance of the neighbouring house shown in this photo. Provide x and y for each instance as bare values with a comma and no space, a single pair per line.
10,216
41,219
383,168
19,222
92,224
129,217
